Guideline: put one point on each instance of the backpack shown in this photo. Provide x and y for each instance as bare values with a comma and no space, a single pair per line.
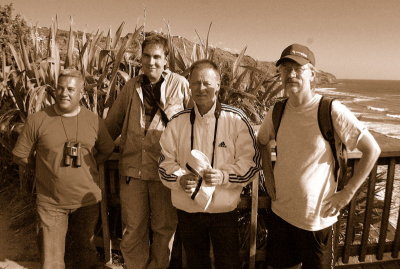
326,127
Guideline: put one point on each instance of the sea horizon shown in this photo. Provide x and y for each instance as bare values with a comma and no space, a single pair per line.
373,79
375,102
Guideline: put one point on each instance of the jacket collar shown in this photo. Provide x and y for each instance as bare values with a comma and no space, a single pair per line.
164,74
195,112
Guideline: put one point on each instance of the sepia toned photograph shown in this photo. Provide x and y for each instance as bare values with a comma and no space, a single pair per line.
210,134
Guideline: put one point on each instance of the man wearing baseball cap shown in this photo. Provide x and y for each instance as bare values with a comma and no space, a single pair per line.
303,186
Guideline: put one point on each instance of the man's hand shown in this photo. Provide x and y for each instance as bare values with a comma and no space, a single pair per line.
335,203
213,177
188,182
370,152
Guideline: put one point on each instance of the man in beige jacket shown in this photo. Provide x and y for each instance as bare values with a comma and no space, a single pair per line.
140,114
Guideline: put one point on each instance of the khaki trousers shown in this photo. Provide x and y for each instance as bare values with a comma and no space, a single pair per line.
146,205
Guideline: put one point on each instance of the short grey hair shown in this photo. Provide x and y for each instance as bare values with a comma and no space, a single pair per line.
205,63
71,73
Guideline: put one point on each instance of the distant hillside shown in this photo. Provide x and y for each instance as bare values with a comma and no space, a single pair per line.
220,56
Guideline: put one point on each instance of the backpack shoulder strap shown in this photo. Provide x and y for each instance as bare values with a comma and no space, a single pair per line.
325,120
277,114
328,132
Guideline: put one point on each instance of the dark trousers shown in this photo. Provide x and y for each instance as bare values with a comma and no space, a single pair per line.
197,229
288,245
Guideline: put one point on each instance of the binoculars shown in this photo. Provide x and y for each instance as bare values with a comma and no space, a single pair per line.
72,154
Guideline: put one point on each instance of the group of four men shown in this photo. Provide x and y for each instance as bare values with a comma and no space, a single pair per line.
160,128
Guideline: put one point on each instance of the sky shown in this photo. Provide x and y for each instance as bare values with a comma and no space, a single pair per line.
353,39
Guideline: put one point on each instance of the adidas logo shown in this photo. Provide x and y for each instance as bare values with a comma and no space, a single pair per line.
222,145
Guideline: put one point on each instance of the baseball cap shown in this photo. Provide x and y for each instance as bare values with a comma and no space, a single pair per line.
298,53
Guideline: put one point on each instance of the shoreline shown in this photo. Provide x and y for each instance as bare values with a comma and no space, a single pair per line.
379,126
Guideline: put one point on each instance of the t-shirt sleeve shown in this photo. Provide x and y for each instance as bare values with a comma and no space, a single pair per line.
266,132
346,125
26,140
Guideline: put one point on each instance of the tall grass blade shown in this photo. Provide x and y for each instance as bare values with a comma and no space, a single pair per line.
54,53
180,61
236,64
93,50
208,35
3,64
200,40
257,85
16,95
70,46
193,57
211,56
239,80
37,74
24,54
253,68
108,39
122,49
83,55
271,91
117,35
17,57
44,71
118,59
172,61
102,61
34,41
35,97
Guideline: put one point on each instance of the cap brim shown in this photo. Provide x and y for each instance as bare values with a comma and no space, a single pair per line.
297,59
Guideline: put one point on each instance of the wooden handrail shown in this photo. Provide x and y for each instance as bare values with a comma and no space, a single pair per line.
385,244
343,250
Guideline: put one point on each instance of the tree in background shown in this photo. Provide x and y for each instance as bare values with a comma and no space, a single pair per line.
11,28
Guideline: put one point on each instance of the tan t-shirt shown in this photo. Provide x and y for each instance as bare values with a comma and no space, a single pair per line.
303,171
58,185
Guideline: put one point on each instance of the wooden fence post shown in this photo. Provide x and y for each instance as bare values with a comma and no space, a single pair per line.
104,218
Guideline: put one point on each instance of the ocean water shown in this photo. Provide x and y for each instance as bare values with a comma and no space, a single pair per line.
375,102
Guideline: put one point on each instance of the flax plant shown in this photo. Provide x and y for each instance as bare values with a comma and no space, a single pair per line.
28,85
243,86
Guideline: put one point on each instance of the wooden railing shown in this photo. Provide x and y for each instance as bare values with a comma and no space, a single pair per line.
367,217
362,234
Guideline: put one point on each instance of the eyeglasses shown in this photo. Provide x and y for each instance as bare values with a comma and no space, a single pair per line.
286,69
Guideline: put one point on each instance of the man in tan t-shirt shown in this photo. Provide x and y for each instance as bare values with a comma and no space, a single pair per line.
69,142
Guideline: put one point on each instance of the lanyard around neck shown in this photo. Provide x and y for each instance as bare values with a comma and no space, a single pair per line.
192,120
65,131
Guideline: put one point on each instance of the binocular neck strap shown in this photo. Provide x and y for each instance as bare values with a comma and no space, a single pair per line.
65,131
192,120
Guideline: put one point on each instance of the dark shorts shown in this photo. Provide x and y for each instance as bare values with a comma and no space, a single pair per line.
288,246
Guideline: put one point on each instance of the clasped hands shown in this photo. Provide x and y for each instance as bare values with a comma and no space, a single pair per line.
212,177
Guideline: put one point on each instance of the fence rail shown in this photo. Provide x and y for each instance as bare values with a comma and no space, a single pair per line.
363,232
